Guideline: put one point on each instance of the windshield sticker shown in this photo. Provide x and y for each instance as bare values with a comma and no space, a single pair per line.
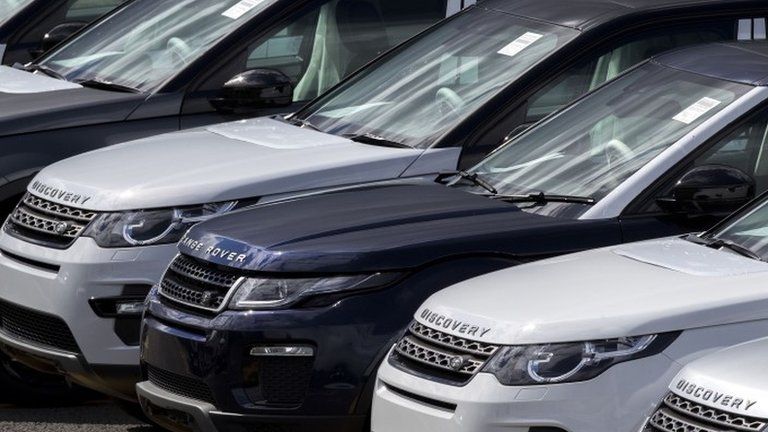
241,8
2,52
520,44
693,112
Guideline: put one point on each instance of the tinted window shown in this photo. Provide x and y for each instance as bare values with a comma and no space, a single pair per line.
626,53
324,45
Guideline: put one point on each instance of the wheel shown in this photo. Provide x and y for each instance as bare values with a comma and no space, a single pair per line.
22,385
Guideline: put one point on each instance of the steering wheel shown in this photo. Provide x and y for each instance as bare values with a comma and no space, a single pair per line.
448,102
616,150
179,49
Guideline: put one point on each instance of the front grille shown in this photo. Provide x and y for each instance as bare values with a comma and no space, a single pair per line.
196,284
440,356
45,222
178,384
28,325
678,414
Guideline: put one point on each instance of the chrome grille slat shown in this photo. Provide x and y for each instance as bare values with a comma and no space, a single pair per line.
667,421
414,350
438,356
707,414
197,285
678,414
36,222
59,210
44,222
449,341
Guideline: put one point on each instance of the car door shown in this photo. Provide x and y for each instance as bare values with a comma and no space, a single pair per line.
743,147
616,52
316,48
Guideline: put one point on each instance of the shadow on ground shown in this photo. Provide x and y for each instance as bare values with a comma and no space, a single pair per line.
99,416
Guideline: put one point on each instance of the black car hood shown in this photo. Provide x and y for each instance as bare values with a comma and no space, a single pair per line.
381,228
37,112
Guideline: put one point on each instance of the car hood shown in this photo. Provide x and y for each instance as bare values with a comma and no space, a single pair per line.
721,379
34,103
635,289
245,159
380,228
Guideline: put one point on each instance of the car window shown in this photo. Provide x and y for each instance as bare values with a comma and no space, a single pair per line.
88,10
149,41
592,147
8,8
627,52
745,148
319,48
414,96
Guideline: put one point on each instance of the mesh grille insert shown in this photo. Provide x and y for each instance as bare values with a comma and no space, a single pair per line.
196,284
27,325
178,384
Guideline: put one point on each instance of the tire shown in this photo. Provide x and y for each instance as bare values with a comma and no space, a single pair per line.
24,386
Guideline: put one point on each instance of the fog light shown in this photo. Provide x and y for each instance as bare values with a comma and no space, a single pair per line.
130,308
282,351
118,307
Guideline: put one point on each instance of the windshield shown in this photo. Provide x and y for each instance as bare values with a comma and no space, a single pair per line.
149,41
592,147
437,81
9,8
749,231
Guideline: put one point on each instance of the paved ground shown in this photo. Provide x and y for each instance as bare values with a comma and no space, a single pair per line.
91,417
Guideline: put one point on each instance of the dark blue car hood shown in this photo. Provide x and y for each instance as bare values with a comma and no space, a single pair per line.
384,228
37,112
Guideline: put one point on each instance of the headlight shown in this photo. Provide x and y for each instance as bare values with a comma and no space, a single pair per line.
569,362
150,227
258,293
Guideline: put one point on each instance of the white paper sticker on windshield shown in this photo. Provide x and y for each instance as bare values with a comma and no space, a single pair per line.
241,8
2,52
693,112
520,44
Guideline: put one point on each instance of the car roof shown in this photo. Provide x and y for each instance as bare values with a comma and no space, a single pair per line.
586,14
743,62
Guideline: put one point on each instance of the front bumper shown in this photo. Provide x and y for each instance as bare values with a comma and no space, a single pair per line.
617,401
58,285
200,362
180,414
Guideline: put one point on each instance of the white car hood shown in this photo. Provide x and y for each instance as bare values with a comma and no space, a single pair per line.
734,380
628,290
19,82
224,162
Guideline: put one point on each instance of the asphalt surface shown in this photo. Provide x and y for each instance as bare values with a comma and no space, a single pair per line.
98,416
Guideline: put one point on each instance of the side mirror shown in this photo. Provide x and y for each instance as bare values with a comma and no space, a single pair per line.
57,35
254,89
710,189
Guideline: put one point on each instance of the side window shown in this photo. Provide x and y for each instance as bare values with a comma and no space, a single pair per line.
627,52
89,10
325,45
746,149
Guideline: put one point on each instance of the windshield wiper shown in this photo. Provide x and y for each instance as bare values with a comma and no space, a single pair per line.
368,138
541,198
303,123
716,243
473,178
106,85
46,70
